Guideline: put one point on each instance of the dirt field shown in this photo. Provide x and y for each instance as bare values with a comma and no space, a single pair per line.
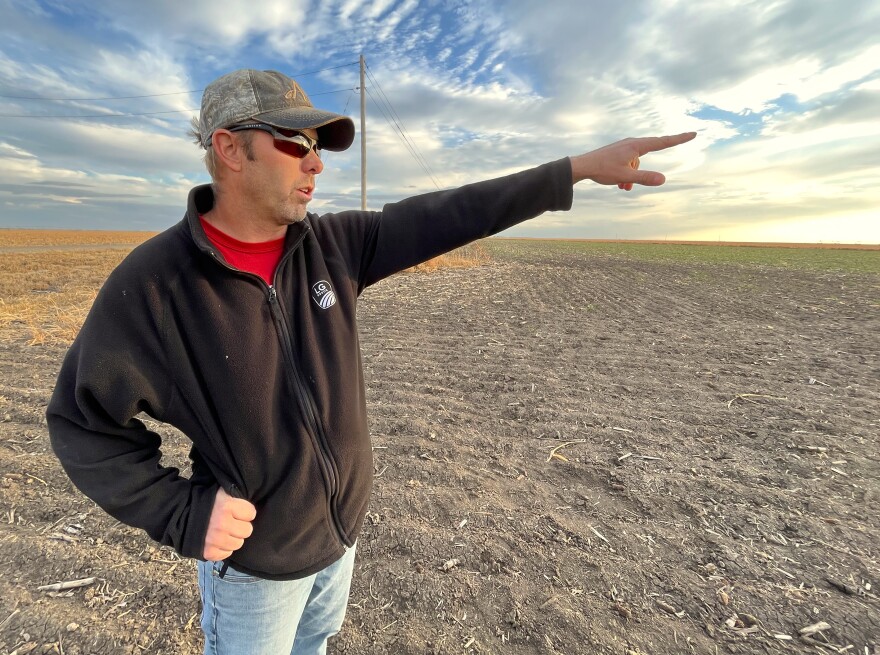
576,451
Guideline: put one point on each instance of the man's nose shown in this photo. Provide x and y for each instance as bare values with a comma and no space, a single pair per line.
312,163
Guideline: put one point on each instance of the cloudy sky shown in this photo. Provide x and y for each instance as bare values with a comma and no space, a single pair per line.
785,96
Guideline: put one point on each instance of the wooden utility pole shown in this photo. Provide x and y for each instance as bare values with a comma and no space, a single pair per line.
363,135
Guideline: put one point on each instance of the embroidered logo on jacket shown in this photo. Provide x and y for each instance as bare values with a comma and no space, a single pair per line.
322,293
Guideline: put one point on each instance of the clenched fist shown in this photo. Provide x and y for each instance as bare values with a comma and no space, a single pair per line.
229,526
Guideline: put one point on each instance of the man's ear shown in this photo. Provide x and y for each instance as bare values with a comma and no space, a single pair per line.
228,149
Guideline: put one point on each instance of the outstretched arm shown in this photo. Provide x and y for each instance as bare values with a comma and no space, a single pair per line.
618,163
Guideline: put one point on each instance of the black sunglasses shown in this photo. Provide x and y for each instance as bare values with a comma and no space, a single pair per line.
290,142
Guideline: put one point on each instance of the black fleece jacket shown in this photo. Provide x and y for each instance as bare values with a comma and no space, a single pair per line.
265,380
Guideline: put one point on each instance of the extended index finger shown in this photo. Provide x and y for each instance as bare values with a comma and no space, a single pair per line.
655,143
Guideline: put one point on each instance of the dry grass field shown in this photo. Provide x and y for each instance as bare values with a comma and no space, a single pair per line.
12,238
49,278
579,447
48,293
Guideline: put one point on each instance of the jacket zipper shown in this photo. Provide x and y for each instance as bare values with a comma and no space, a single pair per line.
310,409
307,401
328,466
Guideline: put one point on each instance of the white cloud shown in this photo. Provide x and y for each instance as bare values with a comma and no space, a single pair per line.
143,73
199,23
18,167
870,85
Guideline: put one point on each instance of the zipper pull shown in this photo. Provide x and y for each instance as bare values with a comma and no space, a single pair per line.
274,307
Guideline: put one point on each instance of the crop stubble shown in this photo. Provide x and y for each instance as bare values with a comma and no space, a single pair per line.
576,452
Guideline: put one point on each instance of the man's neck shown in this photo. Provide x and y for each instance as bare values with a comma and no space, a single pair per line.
236,221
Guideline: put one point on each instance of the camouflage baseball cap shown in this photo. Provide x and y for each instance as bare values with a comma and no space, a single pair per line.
272,98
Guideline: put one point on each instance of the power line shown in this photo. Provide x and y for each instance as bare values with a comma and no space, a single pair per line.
158,95
407,144
350,96
151,95
146,113
398,124
329,68
129,115
402,129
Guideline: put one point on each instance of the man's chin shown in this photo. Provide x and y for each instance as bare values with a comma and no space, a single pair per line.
289,218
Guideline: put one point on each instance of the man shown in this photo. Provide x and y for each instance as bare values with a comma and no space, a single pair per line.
237,326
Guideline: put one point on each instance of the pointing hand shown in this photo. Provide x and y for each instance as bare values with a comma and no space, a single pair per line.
618,163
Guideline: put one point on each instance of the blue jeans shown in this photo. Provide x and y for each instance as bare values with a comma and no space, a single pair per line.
244,615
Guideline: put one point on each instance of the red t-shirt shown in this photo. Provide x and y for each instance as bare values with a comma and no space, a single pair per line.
260,258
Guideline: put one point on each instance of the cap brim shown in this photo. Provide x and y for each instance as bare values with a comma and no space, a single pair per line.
335,132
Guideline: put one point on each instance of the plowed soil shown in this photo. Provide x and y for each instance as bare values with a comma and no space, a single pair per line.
575,453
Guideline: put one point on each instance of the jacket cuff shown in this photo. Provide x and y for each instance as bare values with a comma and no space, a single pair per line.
201,505
564,184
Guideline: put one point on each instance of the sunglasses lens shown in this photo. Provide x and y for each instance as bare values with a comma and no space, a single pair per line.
297,144
292,148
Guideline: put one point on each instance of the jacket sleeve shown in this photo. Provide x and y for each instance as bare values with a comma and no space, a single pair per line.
114,370
419,228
